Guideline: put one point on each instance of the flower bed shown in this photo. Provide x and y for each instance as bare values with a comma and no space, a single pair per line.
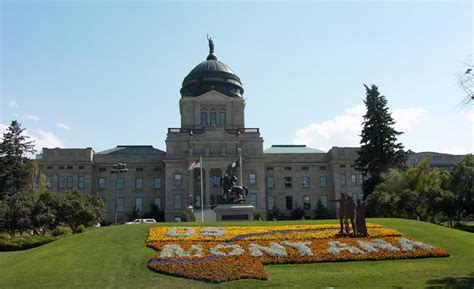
231,253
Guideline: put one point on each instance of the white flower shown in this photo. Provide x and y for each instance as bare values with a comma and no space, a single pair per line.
212,232
377,243
274,249
236,250
180,232
303,248
335,247
174,250
408,245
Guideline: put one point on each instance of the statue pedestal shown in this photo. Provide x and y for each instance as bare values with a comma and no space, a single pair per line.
234,212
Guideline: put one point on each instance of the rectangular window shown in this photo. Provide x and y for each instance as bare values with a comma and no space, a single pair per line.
177,201
288,182
355,197
322,168
289,202
49,182
252,179
222,118
203,118
306,182
139,204
49,167
305,168
323,182
324,200
197,201
213,116
270,183
61,182
253,200
157,183
102,184
81,167
270,203
157,169
269,168
343,180
287,168
120,183
120,205
361,179
69,182
354,180
215,181
306,203
61,167
177,179
80,182
342,166
139,169
102,169
139,183
157,202
69,167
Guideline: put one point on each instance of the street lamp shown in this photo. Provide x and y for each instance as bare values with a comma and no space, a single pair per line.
118,168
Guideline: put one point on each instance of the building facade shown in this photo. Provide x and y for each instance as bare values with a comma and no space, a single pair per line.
212,110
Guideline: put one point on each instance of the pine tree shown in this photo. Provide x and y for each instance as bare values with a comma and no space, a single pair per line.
379,148
15,167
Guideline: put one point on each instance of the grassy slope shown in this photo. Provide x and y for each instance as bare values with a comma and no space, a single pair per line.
115,257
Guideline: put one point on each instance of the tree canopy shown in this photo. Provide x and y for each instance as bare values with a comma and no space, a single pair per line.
379,150
15,167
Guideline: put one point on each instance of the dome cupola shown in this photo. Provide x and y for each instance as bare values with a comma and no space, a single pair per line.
211,75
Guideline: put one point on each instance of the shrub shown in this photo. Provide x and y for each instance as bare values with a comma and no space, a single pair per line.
321,212
297,214
80,229
25,242
59,231
188,215
257,216
275,214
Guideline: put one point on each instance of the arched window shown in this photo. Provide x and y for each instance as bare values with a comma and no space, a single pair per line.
203,117
222,117
213,117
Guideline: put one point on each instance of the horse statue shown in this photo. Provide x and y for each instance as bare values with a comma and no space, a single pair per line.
233,194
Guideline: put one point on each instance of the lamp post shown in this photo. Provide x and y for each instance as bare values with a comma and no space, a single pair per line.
118,168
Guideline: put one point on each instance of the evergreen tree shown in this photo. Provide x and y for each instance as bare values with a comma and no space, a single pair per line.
15,167
379,148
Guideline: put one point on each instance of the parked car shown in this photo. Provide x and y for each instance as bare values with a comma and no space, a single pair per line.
141,221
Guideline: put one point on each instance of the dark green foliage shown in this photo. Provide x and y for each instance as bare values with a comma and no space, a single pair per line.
275,214
379,148
425,194
155,213
24,242
257,216
18,215
188,215
133,214
321,212
61,231
15,167
80,229
297,214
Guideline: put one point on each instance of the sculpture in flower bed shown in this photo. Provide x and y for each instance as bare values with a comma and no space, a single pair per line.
220,254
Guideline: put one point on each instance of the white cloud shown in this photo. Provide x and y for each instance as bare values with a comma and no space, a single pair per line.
454,149
63,126
12,104
46,139
344,130
3,129
31,117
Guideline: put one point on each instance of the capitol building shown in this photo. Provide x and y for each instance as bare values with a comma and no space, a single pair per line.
212,112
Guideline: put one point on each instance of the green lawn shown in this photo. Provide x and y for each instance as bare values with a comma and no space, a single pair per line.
116,257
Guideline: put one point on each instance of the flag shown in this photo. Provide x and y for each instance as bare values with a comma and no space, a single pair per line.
235,164
194,165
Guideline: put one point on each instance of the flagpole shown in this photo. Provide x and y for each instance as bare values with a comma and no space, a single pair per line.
241,167
202,189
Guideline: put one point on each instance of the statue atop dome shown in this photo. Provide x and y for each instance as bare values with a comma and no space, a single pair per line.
211,44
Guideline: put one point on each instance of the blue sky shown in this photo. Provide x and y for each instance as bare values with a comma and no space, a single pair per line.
99,74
